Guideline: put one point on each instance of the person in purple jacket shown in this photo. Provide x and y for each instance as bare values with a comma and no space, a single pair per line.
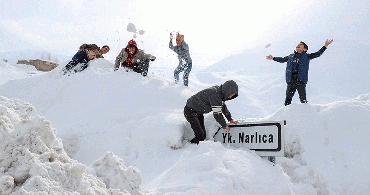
296,73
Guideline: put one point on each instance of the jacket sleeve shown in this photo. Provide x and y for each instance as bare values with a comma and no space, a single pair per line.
280,59
316,54
143,55
171,46
77,58
217,111
119,59
226,112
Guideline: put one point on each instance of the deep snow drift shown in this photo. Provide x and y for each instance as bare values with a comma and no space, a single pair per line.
32,159
137,119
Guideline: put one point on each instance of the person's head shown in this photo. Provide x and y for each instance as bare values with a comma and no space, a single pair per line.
92,51
301,47
105,49
131,47
179,39
229,90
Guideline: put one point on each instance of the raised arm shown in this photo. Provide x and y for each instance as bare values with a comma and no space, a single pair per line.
321,51
278,59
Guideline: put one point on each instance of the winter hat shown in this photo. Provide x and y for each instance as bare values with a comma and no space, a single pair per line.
132,42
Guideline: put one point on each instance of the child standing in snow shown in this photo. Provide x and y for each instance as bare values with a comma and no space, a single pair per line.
185,62
296,73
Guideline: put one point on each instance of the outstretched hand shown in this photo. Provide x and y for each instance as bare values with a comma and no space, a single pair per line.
328,42
270,57
171,37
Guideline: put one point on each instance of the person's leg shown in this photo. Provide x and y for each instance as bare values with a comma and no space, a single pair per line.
177,72
193,118
290,90
186,74
144,67
201,121
301,87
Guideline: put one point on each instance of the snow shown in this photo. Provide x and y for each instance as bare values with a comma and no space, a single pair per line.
32,159
109,132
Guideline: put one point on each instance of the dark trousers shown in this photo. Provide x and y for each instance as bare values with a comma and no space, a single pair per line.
294,85
196,121
142,67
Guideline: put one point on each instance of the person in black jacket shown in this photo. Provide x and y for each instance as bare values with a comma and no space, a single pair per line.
207,100
86,53
296,73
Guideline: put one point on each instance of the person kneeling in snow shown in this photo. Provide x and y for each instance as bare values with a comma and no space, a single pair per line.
207,100
133,58
86,53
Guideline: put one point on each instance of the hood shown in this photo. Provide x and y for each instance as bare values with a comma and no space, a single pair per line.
132,42
228,88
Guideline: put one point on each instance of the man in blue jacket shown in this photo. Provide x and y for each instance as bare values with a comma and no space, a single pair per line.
210,100
296,74
86,53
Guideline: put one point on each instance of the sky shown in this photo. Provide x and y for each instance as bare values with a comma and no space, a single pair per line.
213,30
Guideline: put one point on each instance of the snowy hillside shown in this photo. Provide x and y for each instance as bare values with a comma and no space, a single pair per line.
13,57
17,71
336,75
137,119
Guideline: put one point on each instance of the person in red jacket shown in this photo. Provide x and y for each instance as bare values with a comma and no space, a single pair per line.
133,58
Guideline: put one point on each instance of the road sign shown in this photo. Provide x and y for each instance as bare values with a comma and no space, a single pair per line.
266,138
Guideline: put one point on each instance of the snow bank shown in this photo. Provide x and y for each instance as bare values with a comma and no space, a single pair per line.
211,168
17,71
113,172
327,145
32,159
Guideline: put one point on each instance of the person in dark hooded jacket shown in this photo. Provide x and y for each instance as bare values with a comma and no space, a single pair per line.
211,99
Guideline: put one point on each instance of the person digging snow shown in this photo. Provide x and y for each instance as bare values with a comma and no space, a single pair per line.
211,99
133,58
296,73
185,62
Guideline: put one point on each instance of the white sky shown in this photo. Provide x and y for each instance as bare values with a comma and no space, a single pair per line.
213,29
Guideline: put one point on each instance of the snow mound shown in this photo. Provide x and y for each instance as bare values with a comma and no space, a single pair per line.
328,141
220,170
32,159
113,172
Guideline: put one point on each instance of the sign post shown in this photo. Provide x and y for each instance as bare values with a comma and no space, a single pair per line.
265,138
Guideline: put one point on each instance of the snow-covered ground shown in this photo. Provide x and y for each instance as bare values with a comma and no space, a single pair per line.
106,132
